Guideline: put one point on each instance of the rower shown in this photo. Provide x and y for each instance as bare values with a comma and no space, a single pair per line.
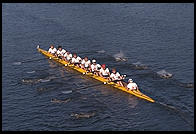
95,68
76,60
52,50
132,85
85,64
65,55
68,57
60,52
116,77
104,72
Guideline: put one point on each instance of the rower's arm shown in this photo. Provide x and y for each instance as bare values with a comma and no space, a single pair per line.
137,87
48,50
100,74
109,73
111,78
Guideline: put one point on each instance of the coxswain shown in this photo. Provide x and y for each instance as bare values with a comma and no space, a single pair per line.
104,72
85,64
60,52
95,68
132,85
52,50
116,77
76,60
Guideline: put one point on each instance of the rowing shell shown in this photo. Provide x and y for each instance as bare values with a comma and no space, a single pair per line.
136,93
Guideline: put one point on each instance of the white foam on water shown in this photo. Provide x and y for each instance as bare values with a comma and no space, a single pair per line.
27,81
42,80
119,56
17,63
67,92
101,51
164,73
52,77
137,63
30,72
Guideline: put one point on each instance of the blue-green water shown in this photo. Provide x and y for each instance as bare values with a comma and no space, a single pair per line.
160,36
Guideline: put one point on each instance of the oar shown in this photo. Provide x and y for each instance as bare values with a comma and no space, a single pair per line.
110,82
33,60
90,86
45,80
69,64
86,52
20,62
67,76
71,75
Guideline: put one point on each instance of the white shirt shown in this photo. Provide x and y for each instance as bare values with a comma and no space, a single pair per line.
115,76
61,53
104,72
65,55
53,51
95,67
132,86
69,57
86,63
76,60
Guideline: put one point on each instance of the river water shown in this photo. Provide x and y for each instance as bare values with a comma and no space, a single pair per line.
44,95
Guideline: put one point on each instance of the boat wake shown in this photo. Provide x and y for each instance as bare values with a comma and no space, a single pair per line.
167,106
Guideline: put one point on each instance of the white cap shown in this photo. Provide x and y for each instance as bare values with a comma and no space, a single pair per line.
93,61
130,80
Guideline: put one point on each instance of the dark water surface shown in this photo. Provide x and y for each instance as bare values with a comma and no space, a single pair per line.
43,95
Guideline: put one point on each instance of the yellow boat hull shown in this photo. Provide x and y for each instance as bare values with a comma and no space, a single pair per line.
136,93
